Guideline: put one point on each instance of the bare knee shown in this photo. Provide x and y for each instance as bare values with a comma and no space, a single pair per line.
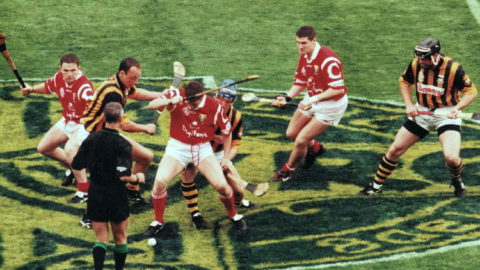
224,190
301,142
290,134
159,186
395,152
452,160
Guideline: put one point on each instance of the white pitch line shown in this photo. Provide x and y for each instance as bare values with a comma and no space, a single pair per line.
400,256
475,9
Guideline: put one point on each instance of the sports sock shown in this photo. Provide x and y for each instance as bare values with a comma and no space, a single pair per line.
120,256
287,168
99,250
83,187
229,204
159,202
385,168
190,193
315,146
455,171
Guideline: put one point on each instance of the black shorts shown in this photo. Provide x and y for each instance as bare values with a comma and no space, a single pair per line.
107,207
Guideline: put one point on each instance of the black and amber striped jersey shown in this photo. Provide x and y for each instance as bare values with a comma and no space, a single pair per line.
236,121
112,90
438,87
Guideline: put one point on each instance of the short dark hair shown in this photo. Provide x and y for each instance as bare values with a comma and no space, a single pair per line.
192,89
113,112
70,58
306,31
128,63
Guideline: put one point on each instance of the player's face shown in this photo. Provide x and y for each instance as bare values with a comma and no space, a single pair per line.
130,78
426,63
69,72
225,102
305,45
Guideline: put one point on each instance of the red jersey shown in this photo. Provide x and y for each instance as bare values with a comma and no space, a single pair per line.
74,98
196,126
320,72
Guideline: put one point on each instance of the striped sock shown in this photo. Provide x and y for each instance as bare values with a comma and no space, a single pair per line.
455,171
190,193
385,168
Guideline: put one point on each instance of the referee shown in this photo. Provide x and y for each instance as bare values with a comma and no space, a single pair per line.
107,156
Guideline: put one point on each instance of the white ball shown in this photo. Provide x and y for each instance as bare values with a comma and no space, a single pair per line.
152,242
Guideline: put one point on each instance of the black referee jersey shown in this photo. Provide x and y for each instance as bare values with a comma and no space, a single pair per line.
107,156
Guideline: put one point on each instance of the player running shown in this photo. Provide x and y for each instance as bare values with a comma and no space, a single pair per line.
438,80
74,92
320,71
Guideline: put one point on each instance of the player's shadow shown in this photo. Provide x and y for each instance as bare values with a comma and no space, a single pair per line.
344,167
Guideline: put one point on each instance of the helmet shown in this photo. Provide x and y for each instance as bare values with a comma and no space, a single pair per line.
426,48
230,92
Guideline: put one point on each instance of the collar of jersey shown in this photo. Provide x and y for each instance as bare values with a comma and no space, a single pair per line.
314,54
202,104
109,130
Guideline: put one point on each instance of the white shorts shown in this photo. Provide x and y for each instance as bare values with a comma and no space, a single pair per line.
220,155
186,153
329,112
81,134
431,122
71,129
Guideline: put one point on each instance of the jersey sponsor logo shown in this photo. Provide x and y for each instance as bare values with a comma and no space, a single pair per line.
195,132
332,66
430,89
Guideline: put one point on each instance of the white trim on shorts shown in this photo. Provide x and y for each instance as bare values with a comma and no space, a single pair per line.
432,122
329,112
187,153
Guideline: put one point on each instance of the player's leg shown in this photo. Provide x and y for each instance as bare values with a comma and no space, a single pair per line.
312,129
450,139
119,232
210,168
297,123
142,158
168,168
100,246
50,144
71,149
408,135
238,190
190,193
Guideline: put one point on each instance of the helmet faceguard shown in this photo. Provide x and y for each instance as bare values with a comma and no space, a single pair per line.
427,49
229,93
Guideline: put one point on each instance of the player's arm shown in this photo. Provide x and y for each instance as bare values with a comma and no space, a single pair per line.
124,165
168,98
227,141
132,127
39,89
288,96
405,92
469,91
143,94
325,95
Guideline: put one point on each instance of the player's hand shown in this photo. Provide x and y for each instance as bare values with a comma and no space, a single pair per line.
176,99
224,163
218,139
150,128
305,105
411,110
281,101
453,113
141,178
27,90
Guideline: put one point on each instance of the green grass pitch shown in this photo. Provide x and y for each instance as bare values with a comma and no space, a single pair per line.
313,221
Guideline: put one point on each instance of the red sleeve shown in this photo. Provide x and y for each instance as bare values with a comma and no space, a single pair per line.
51,84
222,121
